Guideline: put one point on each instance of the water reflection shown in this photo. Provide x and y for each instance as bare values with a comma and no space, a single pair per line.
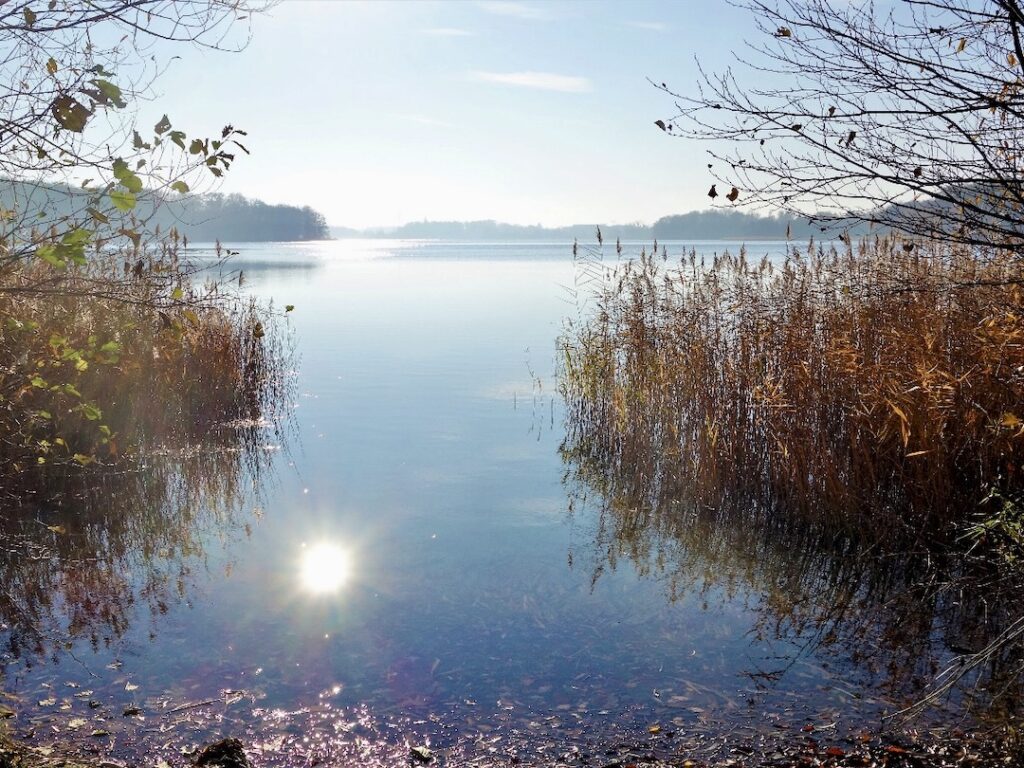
459,624
325,567
85,567
898,608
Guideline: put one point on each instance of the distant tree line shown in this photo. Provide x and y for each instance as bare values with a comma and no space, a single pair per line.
199,217
235,218
719,224
695,225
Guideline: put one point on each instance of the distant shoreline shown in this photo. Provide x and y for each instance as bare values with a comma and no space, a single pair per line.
704,226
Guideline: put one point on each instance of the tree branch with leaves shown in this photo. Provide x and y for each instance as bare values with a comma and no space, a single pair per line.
908,118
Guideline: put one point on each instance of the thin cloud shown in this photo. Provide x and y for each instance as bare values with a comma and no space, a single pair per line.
447,32
518,10
545,81
424,120
650,26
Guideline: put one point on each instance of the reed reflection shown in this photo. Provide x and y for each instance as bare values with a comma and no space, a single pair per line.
81,569
895,616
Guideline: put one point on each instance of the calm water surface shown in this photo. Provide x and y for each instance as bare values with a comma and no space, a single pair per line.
415,571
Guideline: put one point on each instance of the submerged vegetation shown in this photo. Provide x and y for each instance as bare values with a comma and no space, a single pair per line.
846,421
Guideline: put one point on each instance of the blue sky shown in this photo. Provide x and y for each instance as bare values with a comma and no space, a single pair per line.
380,113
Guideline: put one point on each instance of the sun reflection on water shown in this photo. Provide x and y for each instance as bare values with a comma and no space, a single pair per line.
324,567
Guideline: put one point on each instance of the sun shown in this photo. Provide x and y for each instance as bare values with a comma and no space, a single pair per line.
324,568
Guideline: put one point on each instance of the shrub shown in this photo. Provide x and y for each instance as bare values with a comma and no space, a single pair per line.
129,352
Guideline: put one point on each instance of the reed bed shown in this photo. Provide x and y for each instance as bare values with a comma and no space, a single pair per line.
839,429
132,352
876,385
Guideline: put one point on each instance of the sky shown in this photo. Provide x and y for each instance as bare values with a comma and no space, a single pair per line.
379,113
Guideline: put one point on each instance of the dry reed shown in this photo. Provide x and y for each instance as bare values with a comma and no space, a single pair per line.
872,384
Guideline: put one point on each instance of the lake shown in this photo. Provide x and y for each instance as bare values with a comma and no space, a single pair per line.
421,565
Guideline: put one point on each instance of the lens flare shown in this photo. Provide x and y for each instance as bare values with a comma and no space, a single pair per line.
324,568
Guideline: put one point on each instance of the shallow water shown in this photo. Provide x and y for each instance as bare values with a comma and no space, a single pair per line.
461,592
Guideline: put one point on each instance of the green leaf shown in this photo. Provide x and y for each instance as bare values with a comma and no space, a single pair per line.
70,248
163,126
289,307
50,255
128,178
70,113
122,200
180,186
178,137
111,92
90,411
177,294
196,147
77,237
137,141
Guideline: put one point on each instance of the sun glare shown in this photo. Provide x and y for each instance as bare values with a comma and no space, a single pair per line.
324,568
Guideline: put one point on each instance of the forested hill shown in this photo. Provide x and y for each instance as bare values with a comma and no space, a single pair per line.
737,225
696,225
234,218
201,218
